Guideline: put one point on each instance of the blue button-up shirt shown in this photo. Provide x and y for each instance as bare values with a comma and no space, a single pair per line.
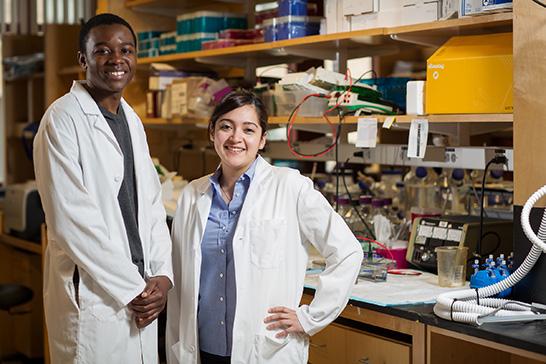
217,294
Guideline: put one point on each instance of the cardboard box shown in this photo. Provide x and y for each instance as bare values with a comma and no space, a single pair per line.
471,75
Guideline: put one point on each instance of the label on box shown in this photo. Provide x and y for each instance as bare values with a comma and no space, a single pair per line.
389,120
366,136
418,136
179,104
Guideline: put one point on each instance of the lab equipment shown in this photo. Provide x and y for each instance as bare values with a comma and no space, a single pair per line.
431,232
476,307
23,212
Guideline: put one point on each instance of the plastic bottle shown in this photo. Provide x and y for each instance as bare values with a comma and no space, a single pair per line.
440,181
476,266
459,191
382,225
364,208
500,259
419,188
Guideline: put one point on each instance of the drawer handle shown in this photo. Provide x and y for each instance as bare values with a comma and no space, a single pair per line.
317,345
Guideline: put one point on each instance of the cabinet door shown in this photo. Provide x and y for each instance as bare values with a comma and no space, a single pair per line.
364,348
328,346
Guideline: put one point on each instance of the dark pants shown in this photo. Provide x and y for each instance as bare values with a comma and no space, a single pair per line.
207,358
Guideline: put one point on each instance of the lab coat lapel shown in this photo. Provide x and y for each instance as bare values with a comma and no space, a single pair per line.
261,174
203,204
91,110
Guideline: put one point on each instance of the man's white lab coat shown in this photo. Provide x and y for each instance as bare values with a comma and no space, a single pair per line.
79,170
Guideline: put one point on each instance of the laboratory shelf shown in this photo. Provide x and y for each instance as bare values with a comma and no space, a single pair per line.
396,155
354,44
504,119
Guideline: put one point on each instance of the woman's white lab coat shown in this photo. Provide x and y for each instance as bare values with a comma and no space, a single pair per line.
79,170
282,213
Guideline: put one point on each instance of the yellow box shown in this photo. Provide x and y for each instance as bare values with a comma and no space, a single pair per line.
471,75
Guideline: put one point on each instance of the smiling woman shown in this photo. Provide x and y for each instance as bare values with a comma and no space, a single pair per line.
240,241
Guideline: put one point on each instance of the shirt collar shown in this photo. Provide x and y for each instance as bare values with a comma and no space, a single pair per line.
215,178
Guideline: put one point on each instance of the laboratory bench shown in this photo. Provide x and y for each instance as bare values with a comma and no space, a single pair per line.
370,333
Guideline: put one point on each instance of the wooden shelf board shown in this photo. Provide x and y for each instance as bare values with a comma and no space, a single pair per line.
21,244
483,23
173,8
447,118
361,41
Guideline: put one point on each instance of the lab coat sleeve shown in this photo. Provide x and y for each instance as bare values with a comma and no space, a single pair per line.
160,242
74,220
329,233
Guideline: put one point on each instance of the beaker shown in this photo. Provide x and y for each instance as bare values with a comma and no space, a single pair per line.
451,265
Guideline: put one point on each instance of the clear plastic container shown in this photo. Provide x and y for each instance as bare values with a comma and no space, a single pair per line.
285,102
451,265
141,36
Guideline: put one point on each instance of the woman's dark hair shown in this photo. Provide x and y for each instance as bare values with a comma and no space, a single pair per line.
235,100
98,20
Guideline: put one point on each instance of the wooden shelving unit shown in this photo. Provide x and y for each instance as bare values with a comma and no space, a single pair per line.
448,118
353,44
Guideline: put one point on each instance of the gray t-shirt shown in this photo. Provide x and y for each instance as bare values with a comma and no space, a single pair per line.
127,196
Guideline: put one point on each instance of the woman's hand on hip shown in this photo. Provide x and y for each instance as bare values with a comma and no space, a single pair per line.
285,319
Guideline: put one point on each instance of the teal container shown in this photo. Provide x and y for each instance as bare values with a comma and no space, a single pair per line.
207,22
167,49
167,39
142,36
184,24
234,21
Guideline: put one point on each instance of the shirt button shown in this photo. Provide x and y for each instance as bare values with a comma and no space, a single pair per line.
221,299
222,251
222,323
221,275
192,348
117,178
237,194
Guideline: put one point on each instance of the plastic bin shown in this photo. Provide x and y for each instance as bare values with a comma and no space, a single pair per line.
167,49
154,52
224,43
392,89
141,36
193,42
167,39
233,21
292,7
149,44
241,34
289,27
286,101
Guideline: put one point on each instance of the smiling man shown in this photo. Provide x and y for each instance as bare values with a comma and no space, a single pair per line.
108,260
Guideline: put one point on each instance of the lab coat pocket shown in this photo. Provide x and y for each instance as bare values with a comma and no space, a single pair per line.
270,350
267,242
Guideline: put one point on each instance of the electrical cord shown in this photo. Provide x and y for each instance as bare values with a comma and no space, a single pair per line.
499,159
368,228
335,131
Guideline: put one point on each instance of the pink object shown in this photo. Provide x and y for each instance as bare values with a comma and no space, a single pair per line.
398,254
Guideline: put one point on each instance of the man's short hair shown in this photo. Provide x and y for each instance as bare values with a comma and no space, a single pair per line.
98,20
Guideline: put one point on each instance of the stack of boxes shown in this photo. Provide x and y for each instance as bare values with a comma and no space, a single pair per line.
196,28
148,43
349,15
293,21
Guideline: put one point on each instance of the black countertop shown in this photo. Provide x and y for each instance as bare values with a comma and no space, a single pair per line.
528,335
